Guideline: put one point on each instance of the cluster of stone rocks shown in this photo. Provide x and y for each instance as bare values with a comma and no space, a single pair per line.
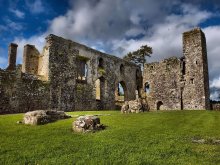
43,116
88,123
135,106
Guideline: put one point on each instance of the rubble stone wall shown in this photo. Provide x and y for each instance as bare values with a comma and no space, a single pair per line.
180,83
20,92
196,90
85,91
164,84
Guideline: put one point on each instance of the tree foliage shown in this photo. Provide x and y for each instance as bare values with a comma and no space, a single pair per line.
139,56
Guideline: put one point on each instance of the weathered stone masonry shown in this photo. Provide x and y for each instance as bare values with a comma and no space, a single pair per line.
70,76
180,83
64,77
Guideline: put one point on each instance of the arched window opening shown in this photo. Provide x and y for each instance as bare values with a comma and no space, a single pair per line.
122,69
120,92
100,88
159,105
82,70
147,88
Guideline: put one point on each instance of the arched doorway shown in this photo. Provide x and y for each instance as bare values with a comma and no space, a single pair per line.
159,105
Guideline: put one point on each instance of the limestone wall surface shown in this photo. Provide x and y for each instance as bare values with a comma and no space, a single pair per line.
196,89
164,84
180,83
21,92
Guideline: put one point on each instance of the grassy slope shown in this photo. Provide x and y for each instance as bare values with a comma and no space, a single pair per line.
149,138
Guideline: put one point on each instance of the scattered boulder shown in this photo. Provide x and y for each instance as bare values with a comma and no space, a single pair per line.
125,108
135,106
43,116
87,123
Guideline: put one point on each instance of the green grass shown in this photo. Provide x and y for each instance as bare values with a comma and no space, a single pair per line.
148,138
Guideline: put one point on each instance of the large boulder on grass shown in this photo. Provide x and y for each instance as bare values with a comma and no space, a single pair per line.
135,106
43,116
87,123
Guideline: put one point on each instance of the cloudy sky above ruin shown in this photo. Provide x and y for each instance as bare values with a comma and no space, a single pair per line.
113,26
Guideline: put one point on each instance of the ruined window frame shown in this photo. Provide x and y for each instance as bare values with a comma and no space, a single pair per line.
147,90
82,78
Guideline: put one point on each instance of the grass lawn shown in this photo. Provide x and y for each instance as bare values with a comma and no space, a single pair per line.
148,138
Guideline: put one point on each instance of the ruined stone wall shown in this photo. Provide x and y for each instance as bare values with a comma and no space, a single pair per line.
43,64
196,90
164,84
62,73
215,106
181,83
20,92
30,60
111,75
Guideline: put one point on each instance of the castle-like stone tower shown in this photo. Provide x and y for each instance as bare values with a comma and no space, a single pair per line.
195,94
12,55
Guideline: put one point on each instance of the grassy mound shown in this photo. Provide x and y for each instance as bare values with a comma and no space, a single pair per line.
149,138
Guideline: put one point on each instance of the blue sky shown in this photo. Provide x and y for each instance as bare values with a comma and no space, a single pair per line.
113,26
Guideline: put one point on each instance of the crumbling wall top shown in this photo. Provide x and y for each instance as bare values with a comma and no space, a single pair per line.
53,38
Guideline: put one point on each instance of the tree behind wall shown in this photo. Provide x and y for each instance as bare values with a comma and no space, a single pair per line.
139,56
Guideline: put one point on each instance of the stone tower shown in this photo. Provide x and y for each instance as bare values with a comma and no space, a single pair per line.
12,55
195,94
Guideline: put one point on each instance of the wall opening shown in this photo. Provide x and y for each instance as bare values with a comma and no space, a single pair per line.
147,88
183,66
82,70
122,69
100,88
159,105
181,98
192,81
120,92
100,92
101,63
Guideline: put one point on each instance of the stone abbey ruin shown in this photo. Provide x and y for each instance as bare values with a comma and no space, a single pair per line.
70,76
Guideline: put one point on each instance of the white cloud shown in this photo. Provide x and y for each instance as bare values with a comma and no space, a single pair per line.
215,83
215,95
18,13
